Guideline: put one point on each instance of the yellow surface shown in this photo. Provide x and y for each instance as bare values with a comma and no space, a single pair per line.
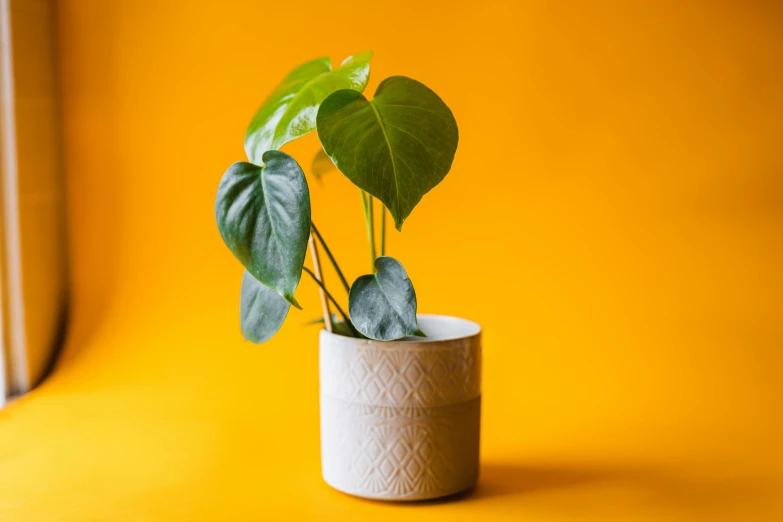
613,219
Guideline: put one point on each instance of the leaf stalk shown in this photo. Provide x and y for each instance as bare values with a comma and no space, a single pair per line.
383,230
331,258
332,299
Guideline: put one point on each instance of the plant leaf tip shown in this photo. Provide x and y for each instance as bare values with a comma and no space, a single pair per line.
291,299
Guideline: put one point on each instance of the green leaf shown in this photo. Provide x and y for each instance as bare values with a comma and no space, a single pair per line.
397,147
261,310
289,112
322,164
263,214
383,305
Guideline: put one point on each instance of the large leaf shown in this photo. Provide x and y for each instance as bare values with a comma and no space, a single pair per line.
261,310
383,305
289,112
263,214
397,146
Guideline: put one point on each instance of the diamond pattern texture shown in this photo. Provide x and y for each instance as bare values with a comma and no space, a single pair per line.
433,373
400,420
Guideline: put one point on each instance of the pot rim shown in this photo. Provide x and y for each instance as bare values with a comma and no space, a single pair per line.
409,341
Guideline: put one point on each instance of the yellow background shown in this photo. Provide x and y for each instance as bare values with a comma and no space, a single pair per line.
613,219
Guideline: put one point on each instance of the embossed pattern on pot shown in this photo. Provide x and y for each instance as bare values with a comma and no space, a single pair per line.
401,420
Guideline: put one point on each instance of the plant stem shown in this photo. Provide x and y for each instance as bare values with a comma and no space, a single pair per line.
368,221
336,304
383,230
331,258
372,234
363,195
320,275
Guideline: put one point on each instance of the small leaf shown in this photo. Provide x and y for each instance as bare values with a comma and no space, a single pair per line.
322,164
383,305
289,112
263,214
397,147
261,310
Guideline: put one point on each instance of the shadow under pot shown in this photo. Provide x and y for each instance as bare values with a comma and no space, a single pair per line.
400,420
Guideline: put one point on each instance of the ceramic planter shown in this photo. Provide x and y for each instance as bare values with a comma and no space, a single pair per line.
400,420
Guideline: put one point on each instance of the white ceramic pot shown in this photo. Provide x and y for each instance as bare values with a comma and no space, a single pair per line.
400,420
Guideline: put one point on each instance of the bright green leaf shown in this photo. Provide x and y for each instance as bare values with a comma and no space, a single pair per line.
261,310
383,305
289,112
397,147
263,214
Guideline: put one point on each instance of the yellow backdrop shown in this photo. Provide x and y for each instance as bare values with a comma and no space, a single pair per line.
613,219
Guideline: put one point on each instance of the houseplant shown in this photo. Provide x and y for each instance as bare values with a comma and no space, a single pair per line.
400,393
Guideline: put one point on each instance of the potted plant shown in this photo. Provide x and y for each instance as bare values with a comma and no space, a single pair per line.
400,393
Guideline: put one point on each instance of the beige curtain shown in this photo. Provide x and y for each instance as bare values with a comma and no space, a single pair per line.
32,243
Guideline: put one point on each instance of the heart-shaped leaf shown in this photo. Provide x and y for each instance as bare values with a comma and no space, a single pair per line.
289,112
383,305
263,214
397,146
261,310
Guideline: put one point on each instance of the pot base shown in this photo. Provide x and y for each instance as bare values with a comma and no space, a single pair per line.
411,499
400,453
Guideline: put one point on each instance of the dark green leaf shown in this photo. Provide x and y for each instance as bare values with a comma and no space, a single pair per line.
383,305
397,147
289,112
261,310
263,214
321,164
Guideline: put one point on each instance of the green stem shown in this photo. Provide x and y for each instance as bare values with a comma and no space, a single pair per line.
383,230
331,258
368,224
371,227
335,303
